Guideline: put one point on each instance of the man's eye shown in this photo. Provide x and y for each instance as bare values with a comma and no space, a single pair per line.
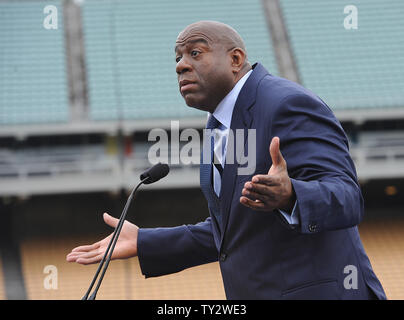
194,53
177,59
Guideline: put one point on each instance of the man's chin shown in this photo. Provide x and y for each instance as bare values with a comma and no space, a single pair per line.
195,103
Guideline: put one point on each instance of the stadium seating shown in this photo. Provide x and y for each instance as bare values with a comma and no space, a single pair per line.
33,78
130,52
383,241
349,69
123,279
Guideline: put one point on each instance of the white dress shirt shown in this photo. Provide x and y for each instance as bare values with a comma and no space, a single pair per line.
223,114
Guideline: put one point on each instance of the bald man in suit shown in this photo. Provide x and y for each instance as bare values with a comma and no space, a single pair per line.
286,230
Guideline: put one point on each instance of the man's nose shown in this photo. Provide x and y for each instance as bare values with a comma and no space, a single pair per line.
183,66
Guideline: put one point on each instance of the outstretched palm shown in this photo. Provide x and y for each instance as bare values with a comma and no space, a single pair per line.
126,246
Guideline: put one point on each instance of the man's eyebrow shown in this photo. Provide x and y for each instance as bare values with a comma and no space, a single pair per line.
191,42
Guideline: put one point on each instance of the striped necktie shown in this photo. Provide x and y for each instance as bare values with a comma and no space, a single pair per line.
217,151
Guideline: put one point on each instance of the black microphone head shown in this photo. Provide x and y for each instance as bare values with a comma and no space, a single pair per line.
155,173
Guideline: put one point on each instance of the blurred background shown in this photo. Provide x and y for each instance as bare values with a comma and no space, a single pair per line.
80,93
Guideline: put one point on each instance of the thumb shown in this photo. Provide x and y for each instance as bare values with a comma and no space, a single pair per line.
110,220
275,152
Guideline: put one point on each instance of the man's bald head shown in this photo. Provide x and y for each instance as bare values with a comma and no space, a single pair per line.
215,32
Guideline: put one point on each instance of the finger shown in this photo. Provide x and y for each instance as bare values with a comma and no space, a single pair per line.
261,189
72,257
87,248
255,196
266,179
256,205
109,220
275,152
83,255
92,260
76,254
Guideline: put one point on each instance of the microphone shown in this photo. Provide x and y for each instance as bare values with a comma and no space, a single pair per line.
151,175
155,173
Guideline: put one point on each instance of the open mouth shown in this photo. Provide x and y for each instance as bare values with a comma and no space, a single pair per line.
186,85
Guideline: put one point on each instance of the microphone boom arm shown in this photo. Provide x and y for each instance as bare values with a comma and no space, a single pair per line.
112,243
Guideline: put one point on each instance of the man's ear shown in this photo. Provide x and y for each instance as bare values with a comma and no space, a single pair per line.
238,57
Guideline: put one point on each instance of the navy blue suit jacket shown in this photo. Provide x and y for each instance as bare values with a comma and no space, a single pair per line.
261,256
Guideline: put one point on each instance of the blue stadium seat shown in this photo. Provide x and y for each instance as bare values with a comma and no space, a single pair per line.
130,52
350,69
33,77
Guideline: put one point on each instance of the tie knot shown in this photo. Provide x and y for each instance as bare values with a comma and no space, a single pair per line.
213,123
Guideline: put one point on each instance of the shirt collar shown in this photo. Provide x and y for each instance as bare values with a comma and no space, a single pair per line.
224,109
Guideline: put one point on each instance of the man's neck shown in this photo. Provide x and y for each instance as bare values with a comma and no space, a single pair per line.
242,73
239,76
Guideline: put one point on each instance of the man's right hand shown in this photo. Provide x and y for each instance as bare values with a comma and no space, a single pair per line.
126,246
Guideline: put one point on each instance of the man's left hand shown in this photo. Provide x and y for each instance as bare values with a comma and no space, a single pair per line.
267,192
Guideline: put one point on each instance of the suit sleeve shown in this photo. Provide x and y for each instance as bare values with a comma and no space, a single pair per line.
322,172
167,250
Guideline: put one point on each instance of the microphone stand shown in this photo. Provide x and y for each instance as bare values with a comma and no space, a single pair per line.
112,243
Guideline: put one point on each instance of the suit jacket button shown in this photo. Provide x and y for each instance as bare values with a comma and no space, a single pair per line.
222,257
312,227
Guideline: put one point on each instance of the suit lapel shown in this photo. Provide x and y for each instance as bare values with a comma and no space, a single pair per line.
241,119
